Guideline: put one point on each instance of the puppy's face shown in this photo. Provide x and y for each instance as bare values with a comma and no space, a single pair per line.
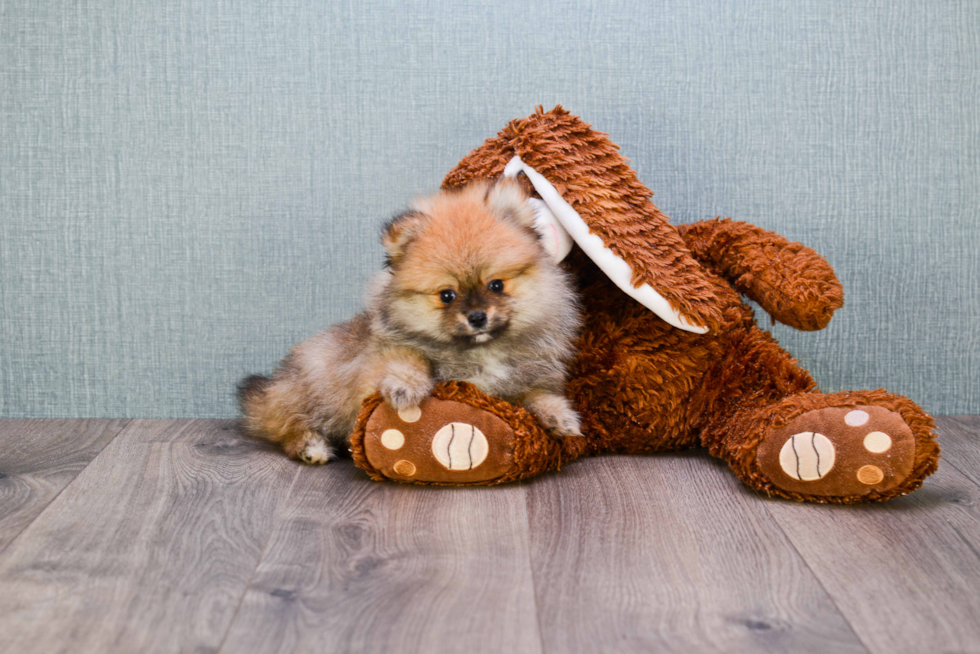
466,265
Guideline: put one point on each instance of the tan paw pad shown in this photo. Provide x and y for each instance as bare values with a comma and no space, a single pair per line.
392,439
877,442
870,475
404,468
411,414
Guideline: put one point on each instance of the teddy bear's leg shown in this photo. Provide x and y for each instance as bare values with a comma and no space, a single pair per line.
457,437
786,438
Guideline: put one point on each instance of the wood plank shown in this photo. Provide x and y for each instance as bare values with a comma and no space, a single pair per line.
361,566
151,547
670,553
959,438
905,573
38,458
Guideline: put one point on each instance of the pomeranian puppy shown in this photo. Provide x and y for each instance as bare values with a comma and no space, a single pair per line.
467,293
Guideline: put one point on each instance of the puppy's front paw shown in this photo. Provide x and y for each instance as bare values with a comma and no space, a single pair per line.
405,386
404,396
314,450
565,422
555,413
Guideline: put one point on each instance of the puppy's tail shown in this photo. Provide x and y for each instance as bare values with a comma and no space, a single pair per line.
269,412
253,400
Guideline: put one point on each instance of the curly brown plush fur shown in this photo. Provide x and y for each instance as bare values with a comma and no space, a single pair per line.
643,386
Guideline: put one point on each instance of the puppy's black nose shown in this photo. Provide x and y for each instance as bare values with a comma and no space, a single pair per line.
477,319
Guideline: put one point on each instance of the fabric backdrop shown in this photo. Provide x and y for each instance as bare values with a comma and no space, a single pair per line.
189,187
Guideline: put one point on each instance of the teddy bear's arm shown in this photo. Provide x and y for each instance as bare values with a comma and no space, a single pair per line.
790,281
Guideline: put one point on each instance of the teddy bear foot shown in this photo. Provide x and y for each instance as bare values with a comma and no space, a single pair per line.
438,442
457,437
840,452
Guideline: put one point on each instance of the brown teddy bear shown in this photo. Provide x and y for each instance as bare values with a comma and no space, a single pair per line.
670,356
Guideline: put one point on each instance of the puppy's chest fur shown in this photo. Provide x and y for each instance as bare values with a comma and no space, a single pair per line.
491,370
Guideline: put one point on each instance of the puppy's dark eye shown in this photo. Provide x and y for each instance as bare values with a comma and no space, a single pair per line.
496,286
447,296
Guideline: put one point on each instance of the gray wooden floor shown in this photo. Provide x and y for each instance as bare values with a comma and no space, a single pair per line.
180,536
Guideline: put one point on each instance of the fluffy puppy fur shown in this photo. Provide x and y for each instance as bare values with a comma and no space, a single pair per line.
468,293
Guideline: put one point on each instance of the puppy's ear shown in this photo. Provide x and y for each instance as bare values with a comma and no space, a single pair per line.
400,231
507,198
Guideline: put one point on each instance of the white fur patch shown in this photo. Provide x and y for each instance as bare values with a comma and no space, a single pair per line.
316,452
492,372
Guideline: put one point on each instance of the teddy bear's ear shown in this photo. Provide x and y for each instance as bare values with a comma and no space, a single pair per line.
580,174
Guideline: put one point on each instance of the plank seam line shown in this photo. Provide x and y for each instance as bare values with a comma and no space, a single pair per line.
258,562
959,423
966,541
122,427
816,577
530,566
966,475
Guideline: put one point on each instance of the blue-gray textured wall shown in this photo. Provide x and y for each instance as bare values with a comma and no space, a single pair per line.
189,187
